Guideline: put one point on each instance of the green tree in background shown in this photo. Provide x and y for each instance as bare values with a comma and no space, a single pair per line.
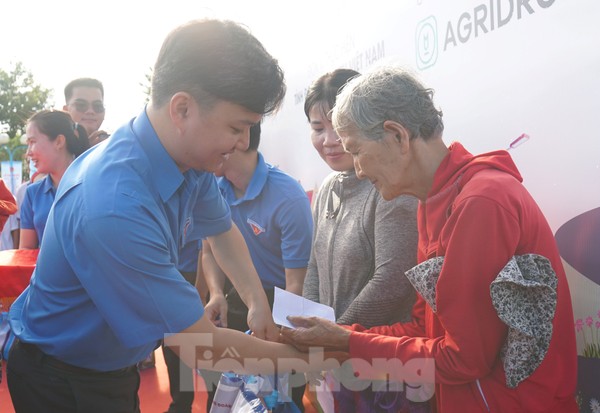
20,97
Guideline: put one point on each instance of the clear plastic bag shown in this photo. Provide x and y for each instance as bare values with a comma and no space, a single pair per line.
249,393
248,402
227,390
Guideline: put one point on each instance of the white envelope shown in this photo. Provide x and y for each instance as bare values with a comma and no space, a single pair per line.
286,303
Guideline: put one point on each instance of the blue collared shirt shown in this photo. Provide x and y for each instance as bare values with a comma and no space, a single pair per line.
39,197
106,287
274,216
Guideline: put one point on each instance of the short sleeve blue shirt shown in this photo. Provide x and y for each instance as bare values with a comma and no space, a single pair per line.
274,216
39,197
106,287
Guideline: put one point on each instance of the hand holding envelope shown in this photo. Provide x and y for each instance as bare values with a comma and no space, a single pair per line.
308,324
289,304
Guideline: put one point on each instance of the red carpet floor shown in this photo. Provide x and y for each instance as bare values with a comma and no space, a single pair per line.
154,390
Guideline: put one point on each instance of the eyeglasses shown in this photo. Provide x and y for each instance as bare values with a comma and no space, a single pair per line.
83,106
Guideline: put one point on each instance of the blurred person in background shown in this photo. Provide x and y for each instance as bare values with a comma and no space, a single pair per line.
8,204
84,100
53,141
9,237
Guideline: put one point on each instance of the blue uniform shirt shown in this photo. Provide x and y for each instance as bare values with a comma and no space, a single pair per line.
274,216
106,287
39,197
188,256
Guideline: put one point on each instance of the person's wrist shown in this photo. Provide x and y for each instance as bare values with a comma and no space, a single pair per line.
216,294
342,340
257,301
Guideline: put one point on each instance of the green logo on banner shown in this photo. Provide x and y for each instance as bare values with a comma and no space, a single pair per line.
426,43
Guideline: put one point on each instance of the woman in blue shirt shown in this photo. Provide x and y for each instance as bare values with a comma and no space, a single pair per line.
53,140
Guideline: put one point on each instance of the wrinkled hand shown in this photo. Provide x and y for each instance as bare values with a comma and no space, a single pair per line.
261,324
316,332
216,310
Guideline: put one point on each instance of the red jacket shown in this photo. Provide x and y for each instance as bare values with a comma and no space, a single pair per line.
477,216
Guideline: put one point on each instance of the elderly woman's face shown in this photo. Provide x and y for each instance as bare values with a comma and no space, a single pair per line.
326,141
377,161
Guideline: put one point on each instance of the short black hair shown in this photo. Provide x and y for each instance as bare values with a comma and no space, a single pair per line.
82,82
217,60
326,88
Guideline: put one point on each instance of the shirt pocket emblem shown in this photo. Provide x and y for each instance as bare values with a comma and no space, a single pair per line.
256,228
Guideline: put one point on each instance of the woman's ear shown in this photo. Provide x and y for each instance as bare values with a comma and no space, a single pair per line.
60,142
398,133
396,129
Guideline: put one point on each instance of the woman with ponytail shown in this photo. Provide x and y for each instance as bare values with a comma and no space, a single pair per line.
54,141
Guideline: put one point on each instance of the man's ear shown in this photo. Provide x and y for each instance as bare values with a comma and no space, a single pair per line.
179,108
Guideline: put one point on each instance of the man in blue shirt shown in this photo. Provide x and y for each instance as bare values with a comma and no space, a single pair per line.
106,289
273,213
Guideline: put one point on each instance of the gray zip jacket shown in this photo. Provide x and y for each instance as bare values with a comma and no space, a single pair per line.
362,246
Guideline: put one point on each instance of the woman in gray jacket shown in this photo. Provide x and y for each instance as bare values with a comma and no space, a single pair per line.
362,244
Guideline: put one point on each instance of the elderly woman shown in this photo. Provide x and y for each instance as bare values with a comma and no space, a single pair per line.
494,311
